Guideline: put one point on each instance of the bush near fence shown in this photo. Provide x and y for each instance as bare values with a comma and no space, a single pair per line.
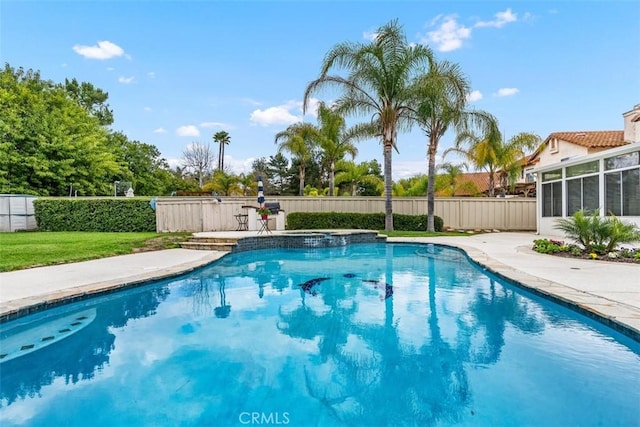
106,215
362,221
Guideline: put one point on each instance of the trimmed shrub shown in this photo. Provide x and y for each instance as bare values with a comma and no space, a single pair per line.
106,215
360,221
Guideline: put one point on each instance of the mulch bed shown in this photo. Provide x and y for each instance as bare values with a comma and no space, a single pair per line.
603,258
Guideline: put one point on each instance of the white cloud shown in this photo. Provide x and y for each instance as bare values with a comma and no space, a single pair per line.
238,166
449,34
174,163
103,50
110,68
502,18
160,130
286,114
126,80
408,168
474,96
312,107
507,91
369,35
273,116
189,130
250,101
147,108
221,125
151,74
64,64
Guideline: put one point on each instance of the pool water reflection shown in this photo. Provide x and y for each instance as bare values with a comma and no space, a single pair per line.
366,334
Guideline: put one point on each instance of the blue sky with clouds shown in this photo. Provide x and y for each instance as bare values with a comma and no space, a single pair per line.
178,72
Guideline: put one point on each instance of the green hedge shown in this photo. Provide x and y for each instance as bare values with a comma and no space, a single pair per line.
368,221
108,215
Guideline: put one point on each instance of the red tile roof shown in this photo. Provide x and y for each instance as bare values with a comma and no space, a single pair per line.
478,179
591,139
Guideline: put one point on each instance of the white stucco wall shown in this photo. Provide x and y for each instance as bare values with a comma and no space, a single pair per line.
565,150
546,224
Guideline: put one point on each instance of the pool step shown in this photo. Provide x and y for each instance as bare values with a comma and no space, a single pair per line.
229,240
210,244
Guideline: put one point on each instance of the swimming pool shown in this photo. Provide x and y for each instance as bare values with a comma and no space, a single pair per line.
365,334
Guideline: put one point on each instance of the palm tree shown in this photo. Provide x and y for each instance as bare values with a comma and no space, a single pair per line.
353,175
489,151
334,143
451,174
379,74
248,184
299,140
221,138
224,184
441,103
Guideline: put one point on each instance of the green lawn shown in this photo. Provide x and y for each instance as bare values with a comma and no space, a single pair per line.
30,249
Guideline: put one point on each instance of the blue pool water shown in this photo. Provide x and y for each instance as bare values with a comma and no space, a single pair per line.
378,334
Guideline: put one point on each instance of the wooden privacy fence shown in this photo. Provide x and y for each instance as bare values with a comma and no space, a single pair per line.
206,214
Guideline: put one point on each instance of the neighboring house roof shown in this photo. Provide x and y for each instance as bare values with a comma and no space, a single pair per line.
591,139
480,180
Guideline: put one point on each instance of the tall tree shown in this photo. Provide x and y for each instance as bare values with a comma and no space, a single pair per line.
441,103
141,164
221,138
48,141
378,76
199,158
278,169
489,151
92,99
333,141
300,140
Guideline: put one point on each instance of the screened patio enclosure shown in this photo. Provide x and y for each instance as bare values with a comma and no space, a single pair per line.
608,181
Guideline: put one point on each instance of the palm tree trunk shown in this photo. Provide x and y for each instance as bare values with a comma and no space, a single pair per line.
491,184
302,171
332,171
219,155
431,184
388,206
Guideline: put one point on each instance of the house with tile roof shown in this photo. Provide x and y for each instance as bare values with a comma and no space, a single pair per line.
594,170
562,146
467,185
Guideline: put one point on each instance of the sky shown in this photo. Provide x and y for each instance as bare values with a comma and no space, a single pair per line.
178,72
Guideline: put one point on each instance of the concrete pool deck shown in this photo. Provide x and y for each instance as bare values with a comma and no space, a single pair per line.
609,291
